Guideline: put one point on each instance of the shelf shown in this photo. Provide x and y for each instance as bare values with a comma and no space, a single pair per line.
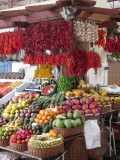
7,148
37,90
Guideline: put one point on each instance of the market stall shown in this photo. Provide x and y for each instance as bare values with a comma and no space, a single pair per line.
48,108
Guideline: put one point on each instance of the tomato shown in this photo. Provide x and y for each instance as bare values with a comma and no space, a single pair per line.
19,142
13,140
29,136
27,140
23,141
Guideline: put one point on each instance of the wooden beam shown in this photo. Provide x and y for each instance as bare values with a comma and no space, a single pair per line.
6,24
14,13
98,10
20,24
83,3
84,14
99,17
108,24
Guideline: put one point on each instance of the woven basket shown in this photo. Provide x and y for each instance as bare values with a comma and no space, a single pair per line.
4,142
105,109
116,106
46,152
18,147
65,132
76,149
97,153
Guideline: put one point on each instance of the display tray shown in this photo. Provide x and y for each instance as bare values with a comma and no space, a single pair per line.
11,94
26,154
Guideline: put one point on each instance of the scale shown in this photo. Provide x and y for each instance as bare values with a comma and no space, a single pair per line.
105,75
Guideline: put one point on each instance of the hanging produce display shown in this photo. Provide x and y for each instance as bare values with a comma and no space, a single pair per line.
48,35
54,59
43,72
84,61
101,38
113,45
65,83
85,31
11,42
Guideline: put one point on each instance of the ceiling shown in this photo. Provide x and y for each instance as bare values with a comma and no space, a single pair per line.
21,12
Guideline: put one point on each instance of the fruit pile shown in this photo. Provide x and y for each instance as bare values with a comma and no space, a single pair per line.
45,141
71,119
45,101
13,110
65,83
6,87
27,96
74,93
7,131
37,129
27,116
3,121
21,136
2,108
86,105
83,85
45,116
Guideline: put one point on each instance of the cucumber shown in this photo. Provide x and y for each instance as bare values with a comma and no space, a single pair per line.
32,119
62,97
46,129
43,126
50,123
58,97
53,101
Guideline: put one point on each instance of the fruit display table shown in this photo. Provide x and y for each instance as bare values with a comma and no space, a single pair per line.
25,154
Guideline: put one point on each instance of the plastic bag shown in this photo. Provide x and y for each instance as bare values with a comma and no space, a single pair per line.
55,72
8,156
92,134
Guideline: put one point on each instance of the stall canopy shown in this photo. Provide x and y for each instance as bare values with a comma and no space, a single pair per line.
16,13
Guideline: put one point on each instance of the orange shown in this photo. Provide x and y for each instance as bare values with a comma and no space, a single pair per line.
40,121
36,120
49,117
37,115
60,107
46,121
40,117
60,111
46,113
44,117
51,114
54,117
42,112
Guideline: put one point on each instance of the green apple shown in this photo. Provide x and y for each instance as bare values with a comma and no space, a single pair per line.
12,115
10,133
9,107
20,101
6,134
12,112
3,137
1,133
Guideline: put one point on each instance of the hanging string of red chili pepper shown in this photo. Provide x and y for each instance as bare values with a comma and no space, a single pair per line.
55,59
101,38
11,42
83,62
48,35
78,62
113,45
